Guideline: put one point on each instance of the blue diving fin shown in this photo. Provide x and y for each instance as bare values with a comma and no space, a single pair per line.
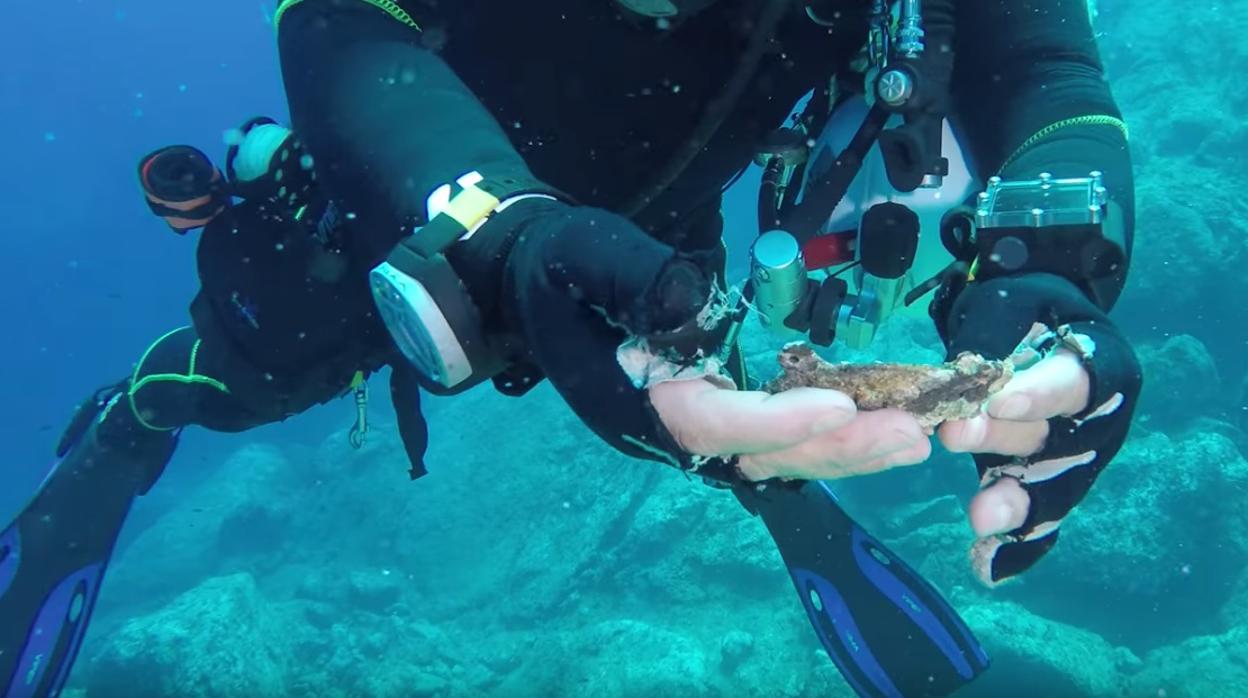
53,555
888,630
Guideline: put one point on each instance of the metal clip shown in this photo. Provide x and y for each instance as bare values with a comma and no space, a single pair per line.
359,430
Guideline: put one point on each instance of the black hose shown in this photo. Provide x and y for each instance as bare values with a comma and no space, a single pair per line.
769,194
718,108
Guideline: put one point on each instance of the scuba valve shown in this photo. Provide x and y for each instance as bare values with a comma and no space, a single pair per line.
268,162
901,82
907,82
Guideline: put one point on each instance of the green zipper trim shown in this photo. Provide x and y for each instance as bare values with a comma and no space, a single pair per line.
386,6
190,378
1089,120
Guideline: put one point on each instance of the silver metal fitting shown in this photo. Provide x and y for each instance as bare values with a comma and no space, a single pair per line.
779,276
910,35
894,87
1042,202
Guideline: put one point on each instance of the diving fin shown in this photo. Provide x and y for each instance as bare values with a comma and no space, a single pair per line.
53,555
888,630
84,415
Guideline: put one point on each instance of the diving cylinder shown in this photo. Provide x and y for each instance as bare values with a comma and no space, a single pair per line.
258,151
778,274
268,161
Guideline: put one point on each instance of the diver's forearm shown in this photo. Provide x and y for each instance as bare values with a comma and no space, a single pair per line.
1020,70
1031,96
388,121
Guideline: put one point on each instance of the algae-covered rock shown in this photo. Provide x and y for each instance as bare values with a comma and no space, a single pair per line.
368,589
1165,527
374,589
531,510
396,656
1212,666
1181,382
735,648
1033,657
1235,612
1190,249
691,543
221,638
239,517
616,659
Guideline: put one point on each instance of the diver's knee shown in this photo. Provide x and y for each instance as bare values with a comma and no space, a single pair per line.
164,390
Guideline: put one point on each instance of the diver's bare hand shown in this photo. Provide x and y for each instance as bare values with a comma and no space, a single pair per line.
804,433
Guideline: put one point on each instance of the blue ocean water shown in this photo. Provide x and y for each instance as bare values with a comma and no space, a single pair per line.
87,275
283,562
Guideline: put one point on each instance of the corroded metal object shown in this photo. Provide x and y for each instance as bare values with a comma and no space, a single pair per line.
932,393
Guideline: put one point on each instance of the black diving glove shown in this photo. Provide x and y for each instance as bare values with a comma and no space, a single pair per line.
1041,321
630,333
580,284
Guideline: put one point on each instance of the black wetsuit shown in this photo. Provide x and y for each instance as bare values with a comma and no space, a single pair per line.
576,99
582,100
282,322
580,97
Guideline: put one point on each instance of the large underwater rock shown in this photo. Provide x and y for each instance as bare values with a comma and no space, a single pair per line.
616,659
1037,658
238,519
397,655
221,638
1181,382
1156,548
1235,611
1187,141
1209,666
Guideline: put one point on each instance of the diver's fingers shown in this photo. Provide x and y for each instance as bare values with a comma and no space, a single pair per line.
983,434
1058,385
999,508
872,442
708,420
918,453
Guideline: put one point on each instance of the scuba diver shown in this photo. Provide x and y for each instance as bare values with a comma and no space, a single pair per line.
533,193
281,323
540,185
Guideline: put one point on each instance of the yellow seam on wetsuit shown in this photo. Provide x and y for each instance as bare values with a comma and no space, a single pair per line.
190,378
1089,120
386,6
